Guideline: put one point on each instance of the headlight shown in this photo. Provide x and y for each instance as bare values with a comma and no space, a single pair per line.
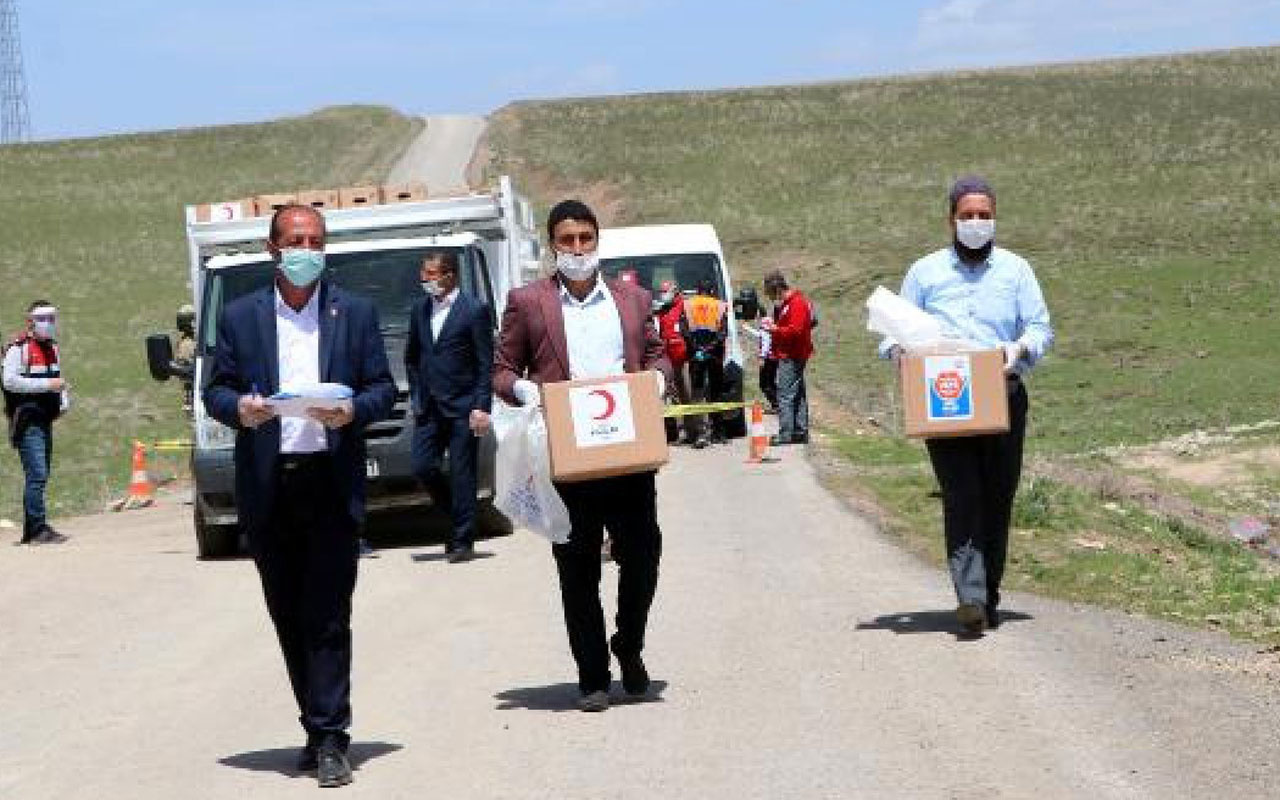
213,435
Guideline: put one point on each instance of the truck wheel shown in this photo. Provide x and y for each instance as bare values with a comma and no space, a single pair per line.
215,541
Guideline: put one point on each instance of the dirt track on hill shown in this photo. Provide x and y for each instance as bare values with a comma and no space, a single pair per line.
798,652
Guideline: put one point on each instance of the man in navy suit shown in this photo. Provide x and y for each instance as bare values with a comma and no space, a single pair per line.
300,480
449,357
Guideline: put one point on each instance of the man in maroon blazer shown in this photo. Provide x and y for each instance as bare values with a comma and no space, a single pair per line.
573,325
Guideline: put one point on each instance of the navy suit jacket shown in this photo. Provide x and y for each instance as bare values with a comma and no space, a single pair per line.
452,375
351,353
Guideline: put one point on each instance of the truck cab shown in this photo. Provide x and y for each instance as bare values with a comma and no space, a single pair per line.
372,251
685,254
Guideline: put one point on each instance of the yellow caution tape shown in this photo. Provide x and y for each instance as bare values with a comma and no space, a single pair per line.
172,444
700,408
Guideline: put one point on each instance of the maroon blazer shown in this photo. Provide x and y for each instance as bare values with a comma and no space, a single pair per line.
532,344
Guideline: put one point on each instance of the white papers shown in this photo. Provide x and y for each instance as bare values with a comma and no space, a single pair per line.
294,401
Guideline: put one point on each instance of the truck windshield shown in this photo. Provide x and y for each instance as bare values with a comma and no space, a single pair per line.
389,278
685,269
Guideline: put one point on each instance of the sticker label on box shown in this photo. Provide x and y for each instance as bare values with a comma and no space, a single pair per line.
949,383
602,415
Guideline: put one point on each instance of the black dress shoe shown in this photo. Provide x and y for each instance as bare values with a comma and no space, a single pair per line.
635,678
993,617
308,758
47,535
463,552
332,767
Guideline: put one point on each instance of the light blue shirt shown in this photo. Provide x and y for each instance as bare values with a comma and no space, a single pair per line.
991,304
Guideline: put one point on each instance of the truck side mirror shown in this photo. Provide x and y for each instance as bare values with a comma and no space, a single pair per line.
160,356
746,306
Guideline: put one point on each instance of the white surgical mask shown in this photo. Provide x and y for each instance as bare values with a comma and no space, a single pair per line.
577,268
432,288
975,234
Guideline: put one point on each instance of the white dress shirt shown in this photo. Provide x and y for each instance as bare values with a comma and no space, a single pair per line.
298,351
593,333
440,312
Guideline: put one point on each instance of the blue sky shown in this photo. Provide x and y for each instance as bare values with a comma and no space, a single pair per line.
99,67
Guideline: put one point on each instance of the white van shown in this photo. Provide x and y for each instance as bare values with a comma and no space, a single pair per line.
685,254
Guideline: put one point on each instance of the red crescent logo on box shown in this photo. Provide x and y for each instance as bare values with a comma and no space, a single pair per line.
610,405
948,385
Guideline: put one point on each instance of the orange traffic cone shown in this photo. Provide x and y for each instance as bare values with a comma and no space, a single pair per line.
141,490
759,437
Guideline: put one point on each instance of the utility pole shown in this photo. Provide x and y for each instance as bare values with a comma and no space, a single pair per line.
15,120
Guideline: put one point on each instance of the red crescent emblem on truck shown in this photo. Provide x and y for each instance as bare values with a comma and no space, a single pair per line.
948,385
610,405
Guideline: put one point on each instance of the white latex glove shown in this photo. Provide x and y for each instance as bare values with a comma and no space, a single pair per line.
527,393
1013,353
662,383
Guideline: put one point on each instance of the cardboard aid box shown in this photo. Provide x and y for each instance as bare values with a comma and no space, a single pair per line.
601,427
954,394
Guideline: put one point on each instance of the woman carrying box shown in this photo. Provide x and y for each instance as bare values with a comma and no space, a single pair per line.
990,296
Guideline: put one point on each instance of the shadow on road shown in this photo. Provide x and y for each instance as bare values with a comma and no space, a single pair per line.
284,759
440,555
564,697
931,622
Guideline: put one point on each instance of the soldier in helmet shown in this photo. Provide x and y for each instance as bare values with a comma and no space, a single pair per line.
184,353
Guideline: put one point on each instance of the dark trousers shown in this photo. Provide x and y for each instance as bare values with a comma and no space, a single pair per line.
706,382
306,557
35,451
627,507
769,381
793,399
432,435
979,477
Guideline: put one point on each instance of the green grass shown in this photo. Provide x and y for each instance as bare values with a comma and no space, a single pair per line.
1144,192
96,226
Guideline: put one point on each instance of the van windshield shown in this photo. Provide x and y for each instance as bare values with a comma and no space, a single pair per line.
389,278
685,269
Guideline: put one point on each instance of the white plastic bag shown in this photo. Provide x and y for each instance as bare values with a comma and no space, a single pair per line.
522,481
909,325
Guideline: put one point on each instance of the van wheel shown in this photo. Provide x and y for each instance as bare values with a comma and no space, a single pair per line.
735,427
215,541
492,522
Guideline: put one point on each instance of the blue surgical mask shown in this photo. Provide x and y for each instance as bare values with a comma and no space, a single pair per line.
45,329
301,266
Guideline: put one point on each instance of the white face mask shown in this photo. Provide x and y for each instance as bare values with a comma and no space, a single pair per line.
577,268
975,234
432,288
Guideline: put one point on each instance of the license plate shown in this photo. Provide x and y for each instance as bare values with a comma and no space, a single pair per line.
371,468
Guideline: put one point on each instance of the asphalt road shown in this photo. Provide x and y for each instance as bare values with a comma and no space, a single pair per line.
441,153
798,654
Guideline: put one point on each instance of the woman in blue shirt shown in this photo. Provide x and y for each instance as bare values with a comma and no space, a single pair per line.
990,296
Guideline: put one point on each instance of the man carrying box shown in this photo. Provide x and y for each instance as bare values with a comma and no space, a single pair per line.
989,296
575,325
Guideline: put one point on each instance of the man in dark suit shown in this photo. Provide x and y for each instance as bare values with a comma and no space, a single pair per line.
449,357
300,480
576,324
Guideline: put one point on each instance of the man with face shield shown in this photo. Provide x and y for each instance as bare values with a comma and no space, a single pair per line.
300,480
577,324
35,394
449,360
990,296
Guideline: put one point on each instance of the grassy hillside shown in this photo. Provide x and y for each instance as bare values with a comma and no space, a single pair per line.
1145,193
95,225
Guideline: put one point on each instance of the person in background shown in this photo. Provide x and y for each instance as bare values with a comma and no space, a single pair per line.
300,481
704,326
449,359
990,296
35,394
791,343
576,324
670,305
184,352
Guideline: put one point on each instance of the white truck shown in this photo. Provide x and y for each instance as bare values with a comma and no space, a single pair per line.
685,254
374,250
